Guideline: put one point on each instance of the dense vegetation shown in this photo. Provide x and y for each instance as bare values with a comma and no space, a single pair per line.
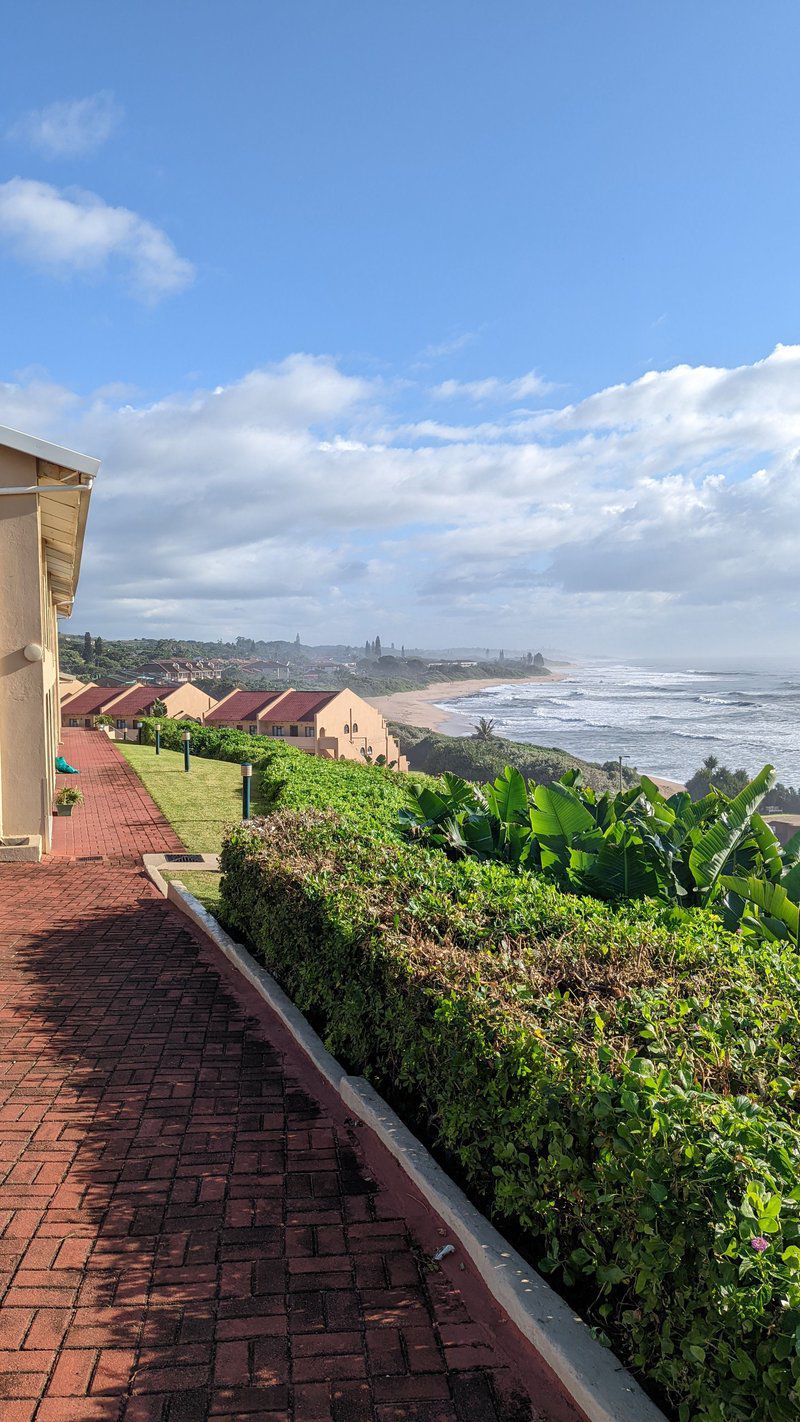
615,1084
781,799
484,758
371,673
637,844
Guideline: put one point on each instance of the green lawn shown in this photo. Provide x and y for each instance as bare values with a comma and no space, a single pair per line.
204,886
201,805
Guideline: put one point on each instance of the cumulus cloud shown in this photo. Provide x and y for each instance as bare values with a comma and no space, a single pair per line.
69,128
657,514
72,231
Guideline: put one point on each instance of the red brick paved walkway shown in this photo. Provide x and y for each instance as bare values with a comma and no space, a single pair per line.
118,817
188,1225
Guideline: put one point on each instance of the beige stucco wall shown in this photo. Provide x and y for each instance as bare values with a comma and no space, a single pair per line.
188,700
29,701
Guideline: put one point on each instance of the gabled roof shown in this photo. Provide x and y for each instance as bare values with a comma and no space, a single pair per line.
139,699
241,706
68,476
89,702
298,706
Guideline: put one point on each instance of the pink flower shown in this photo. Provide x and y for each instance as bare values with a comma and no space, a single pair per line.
759,1243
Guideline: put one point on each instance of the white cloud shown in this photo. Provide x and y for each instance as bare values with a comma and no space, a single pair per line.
71,231
656,515
69,128
525,387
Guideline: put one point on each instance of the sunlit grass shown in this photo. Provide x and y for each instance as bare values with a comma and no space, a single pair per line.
200,806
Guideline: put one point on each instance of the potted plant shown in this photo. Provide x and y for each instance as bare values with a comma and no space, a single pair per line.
66,798
105,723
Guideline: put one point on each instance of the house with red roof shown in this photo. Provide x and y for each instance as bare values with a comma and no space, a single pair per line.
128,704
338,725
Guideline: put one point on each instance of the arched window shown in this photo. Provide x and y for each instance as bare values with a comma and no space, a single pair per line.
347,730
355,728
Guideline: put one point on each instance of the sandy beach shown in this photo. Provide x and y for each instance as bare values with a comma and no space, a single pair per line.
418,708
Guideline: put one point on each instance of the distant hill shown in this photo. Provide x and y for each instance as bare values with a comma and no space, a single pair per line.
483,760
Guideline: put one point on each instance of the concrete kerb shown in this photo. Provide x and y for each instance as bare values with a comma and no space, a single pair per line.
590,1374
155,864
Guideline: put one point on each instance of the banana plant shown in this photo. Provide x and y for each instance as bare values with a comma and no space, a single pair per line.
637,844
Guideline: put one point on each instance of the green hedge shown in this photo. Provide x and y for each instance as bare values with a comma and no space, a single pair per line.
293,778
618,1092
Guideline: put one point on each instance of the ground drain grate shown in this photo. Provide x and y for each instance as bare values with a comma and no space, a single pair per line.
183,858
90,858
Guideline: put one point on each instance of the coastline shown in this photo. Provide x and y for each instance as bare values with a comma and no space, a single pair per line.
418,708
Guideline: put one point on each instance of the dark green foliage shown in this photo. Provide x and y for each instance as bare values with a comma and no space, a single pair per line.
634,845
617,1090
782,799
484,759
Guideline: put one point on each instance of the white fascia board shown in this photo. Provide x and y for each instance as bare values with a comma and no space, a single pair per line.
52,453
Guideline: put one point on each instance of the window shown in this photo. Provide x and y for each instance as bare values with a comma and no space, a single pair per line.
294,730
277,730
253,730
72,721
355,728
240,727
347,730
120,725
87,723
308,730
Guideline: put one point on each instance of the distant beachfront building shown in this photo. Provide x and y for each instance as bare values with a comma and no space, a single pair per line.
337,725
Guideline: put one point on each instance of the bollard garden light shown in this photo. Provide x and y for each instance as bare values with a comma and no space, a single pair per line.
247,772
158,740
137,726
186,737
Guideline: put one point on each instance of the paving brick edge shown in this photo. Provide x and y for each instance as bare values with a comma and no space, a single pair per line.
590,1375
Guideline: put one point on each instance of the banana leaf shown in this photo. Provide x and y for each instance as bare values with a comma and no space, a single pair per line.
507,798
558,812
771,899
715,845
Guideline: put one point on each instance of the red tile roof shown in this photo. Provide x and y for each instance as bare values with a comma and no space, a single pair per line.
90,701
240,706
139,700
299,706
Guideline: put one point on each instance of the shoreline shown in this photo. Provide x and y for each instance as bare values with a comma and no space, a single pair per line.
418,707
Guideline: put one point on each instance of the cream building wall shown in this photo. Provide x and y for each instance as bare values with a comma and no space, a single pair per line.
40,539
345,728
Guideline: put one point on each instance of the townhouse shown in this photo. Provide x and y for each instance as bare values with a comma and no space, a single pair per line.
127,704
339,725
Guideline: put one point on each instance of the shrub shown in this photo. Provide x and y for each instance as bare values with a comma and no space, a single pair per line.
619,1093
484,759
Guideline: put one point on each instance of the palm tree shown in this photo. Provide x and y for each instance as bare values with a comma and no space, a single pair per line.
484,729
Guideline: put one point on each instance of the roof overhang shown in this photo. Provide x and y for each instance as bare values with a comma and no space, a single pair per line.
64,481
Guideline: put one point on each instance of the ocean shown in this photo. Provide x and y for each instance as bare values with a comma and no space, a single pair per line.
661,721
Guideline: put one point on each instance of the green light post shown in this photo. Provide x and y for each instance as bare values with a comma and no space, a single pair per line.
247,774
138,728
158,739
186,737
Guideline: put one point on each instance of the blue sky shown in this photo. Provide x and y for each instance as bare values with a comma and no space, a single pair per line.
464,216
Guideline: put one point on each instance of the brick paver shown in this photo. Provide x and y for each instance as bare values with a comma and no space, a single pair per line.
118,818
189,1227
